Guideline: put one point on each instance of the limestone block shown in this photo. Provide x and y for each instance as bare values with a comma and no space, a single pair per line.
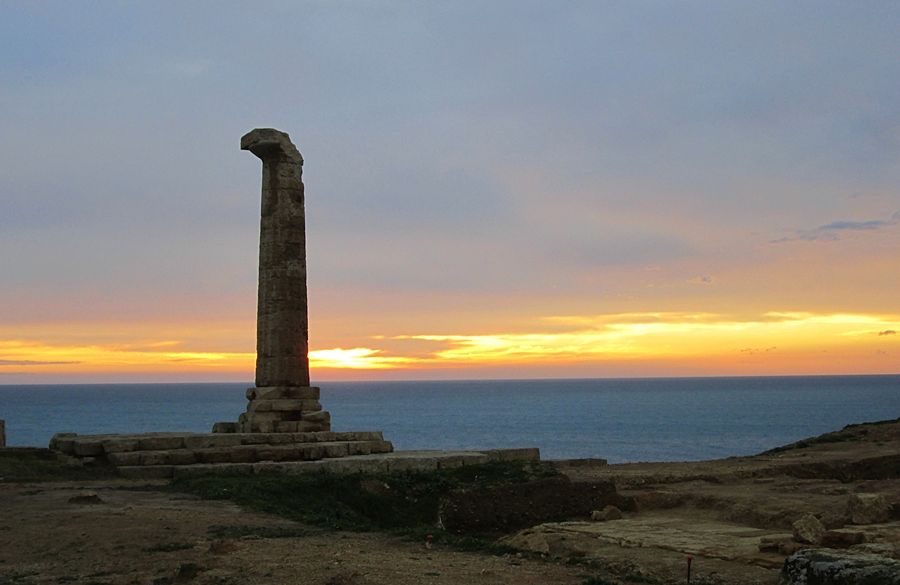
243,454
218,455
287,426
87,448
226,427
808,529
868,508
124,458
280,392
155,458
120,445
284,404
380,447
63,442
201,469
182,457
161,442
316,416
339,449
830,567
212,441
142,472
359,448
400,464
310,452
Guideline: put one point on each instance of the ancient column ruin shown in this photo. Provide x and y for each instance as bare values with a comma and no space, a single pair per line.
282,400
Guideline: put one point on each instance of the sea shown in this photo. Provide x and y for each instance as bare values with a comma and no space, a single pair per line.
621,420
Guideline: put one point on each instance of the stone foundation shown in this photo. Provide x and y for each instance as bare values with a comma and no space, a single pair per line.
158,454
280,409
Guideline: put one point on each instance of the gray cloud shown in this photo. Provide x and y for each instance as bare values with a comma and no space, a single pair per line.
831,231
887,332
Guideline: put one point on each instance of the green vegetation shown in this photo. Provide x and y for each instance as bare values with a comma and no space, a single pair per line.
27,465
398,502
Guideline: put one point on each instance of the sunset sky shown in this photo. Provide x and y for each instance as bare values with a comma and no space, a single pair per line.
493,189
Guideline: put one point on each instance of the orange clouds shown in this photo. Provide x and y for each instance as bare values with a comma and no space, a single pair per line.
702,343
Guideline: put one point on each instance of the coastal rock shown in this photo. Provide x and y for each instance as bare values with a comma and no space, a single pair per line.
828,567
808,529
868,509
607,513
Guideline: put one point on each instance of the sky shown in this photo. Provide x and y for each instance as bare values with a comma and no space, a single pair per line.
493,189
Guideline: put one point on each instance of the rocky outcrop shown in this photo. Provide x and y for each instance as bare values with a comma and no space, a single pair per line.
829,567
808,529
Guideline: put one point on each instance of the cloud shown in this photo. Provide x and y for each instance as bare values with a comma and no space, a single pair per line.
887,332
34,363
831,231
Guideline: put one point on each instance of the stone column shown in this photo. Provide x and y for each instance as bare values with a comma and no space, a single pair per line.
282,325
282,400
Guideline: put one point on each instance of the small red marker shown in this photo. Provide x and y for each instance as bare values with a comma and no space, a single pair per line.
428,540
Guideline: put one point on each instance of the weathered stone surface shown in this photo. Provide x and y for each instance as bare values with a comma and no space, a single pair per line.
226,427
868,508
146,472
126,458
526,454
286,404
87,448
841,538
282,320
829,567
120,445
808,529
288,392
606,514
161,442
212,441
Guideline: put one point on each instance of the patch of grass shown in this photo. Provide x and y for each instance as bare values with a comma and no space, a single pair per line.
23,464
169,547
391,502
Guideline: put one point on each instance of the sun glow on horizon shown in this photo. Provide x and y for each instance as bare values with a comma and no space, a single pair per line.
772,342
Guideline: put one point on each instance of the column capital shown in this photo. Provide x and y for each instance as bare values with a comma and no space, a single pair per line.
268,143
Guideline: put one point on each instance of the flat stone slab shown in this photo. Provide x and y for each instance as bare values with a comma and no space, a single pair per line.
398,461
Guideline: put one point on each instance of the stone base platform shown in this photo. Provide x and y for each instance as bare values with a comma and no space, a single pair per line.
398,461
280,409
158,454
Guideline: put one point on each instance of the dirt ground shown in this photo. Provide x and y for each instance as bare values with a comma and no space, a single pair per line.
717,512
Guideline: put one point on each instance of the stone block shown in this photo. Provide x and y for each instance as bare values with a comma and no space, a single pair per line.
808,529
201,469
87,448
155,458
401,464
219,455
226,427
279,392
161,442
287,426
380,447
182,457
316,416
212,441
63,442
339,449
120,445
125,458
142,472
284,404
243,454
310,452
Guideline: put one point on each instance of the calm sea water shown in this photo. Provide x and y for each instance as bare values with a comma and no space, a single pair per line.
664,419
